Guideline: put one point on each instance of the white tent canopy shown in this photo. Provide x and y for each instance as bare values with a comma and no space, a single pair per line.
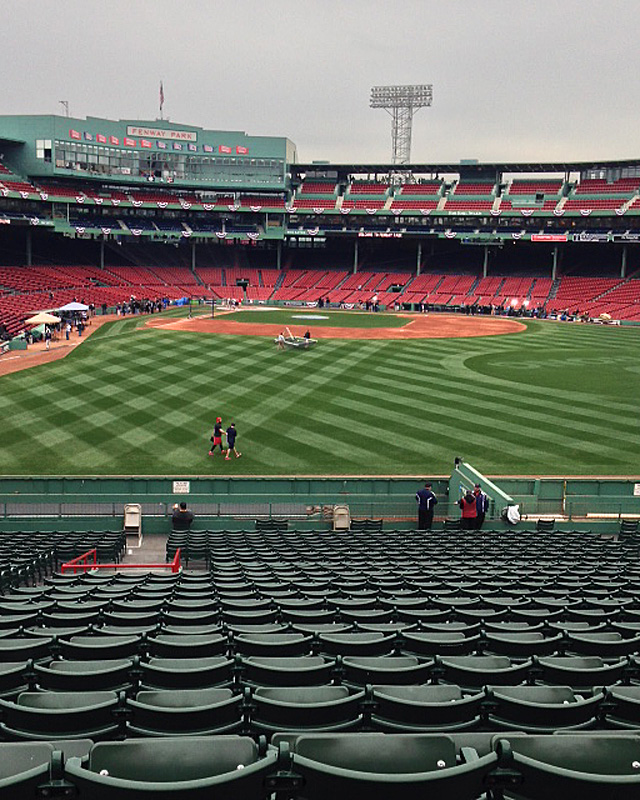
74,307
43,318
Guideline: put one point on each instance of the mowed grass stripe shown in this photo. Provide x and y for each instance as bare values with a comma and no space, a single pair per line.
518,406
146,402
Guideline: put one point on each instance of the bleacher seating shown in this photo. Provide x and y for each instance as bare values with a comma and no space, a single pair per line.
359,657
534,187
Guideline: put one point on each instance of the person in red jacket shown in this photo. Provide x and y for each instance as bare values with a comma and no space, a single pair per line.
469,511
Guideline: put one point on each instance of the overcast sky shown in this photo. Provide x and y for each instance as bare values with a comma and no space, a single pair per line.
513,79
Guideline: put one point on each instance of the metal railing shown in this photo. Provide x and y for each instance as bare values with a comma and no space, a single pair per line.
89,561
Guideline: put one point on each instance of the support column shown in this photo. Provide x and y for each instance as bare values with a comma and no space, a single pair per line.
623,266
554,267
355,257
279,254
193,256
419,258
28,254
485,262
102,253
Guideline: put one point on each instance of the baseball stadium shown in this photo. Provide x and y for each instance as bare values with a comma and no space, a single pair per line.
277,611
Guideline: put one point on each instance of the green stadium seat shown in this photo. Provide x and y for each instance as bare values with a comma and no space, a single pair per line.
541,709
280,671
392,670
91,648
305,708
190,768
272,644
166,645
85,676
423,708
187,673
590,767
60,715
23,768
185,711
378,766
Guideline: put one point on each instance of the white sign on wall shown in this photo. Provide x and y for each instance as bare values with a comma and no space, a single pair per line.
181,487
636,489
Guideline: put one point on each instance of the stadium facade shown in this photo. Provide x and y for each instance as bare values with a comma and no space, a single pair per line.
100,192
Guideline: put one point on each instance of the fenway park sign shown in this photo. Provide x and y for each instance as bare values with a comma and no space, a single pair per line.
162,133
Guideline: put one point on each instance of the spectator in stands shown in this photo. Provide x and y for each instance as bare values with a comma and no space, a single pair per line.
427,501
182,518
469,511
482,505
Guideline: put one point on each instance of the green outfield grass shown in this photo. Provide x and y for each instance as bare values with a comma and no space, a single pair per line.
555,399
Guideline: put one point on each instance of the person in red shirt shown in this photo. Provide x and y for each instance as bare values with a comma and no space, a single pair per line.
469,511
216,438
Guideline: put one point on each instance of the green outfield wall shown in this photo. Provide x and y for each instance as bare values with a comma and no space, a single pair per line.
68,503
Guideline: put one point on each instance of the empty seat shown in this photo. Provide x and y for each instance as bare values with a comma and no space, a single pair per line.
590,767
23,768
423,708
355,644
478,671
541,709
622,707
186,767
578,672
185,711
85,676
60,715
394,670
279,671
90,648
433,643
187,673
320,708
166,645
273,644
380,766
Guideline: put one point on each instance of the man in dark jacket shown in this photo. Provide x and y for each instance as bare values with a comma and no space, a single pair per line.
181,518
427,501
482,505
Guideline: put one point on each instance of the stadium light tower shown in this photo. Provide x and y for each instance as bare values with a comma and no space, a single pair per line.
401,102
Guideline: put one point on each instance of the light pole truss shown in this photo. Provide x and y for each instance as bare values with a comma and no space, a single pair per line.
401,102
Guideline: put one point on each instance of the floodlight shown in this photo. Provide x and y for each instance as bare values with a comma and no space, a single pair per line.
401,102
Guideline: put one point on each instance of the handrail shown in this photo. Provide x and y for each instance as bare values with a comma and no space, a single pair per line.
84,563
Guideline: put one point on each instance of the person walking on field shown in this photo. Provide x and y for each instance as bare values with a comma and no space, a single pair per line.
427,501
482,505
231,441
216,438
469,511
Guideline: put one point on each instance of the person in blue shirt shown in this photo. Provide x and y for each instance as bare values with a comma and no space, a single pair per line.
427,502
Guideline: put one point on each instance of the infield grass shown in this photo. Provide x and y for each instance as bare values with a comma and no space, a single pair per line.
554,399
313,319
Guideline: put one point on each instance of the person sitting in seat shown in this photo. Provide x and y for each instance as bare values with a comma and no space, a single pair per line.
181,518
